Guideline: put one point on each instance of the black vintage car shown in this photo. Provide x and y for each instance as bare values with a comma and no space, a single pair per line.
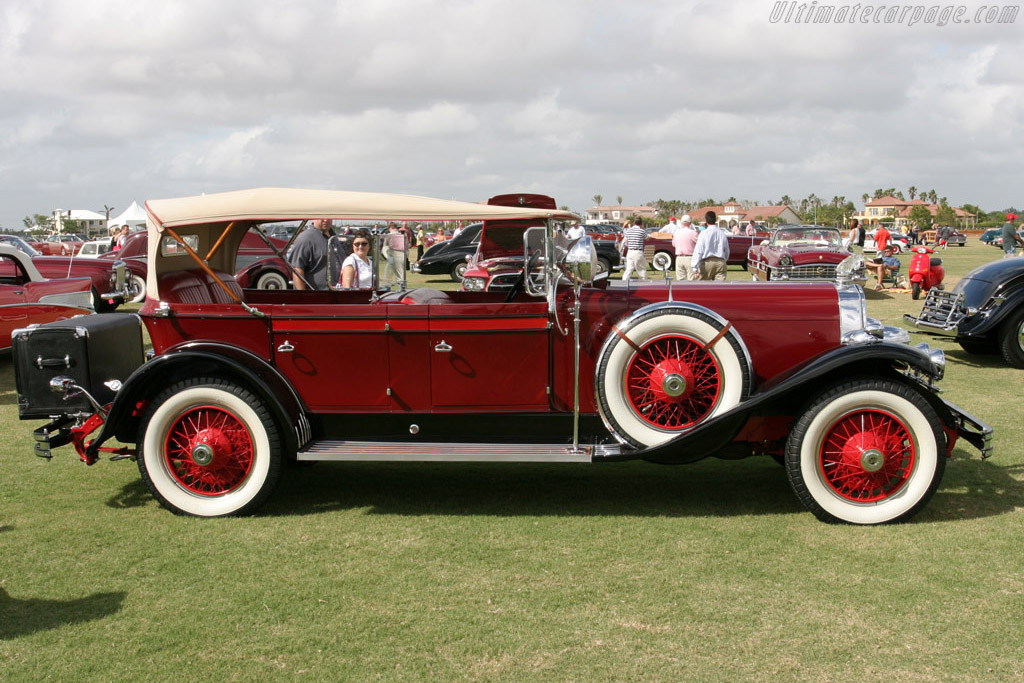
984,312
450,256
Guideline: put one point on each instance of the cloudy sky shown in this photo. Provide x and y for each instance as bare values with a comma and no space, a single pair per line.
109,101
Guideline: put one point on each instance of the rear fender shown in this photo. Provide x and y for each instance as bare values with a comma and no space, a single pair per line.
205,359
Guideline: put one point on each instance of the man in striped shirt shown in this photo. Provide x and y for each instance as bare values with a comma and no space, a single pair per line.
633,246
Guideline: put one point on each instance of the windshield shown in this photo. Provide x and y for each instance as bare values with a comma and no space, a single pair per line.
812,235
19,243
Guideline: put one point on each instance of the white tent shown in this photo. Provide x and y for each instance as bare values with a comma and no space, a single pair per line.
134,216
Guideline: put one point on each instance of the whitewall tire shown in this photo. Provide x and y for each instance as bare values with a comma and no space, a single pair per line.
271,279
867,451
209,449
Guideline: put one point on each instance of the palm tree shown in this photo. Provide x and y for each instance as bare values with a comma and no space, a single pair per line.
619,200
597,199
786,200
912,191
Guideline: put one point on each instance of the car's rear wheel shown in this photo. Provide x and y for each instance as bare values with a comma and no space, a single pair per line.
603,267
458,270
867,451
209,448
271,279
1011,339
669,371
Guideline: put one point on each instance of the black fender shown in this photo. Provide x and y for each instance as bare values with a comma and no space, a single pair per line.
794,388
205,359
982,325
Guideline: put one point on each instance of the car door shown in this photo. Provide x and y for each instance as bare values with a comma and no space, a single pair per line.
489,356
334,353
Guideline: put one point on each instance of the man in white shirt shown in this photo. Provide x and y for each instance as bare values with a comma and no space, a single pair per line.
575,232
672,226
711,251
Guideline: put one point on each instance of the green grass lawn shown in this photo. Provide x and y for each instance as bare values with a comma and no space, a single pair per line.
615,572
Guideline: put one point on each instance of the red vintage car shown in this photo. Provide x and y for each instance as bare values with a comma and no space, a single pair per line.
109,277
561,369
739,245
806,252
26,298
58,244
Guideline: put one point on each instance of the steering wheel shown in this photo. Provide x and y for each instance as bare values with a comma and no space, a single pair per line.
520,282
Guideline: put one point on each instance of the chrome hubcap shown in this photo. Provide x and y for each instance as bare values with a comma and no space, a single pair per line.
872,460
202,454
674,385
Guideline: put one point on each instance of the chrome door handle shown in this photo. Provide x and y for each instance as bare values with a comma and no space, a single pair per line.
443,347
286,347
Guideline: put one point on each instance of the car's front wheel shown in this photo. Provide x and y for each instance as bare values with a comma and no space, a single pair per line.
1011,339
867,451
209,448
136,289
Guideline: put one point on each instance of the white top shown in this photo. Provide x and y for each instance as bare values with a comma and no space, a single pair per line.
577,231
364,271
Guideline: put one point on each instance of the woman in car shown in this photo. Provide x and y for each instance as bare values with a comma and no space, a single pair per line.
356,271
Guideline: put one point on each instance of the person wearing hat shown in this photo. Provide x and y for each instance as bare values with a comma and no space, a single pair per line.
1010,237
672,225
886,262
683,242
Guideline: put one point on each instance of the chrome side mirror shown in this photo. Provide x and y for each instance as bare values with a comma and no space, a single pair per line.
580,262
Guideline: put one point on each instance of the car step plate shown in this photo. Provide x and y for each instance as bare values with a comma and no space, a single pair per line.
370,451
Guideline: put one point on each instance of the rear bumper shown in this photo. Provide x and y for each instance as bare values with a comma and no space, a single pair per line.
971,429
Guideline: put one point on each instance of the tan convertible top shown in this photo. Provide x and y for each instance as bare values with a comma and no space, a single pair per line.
275,204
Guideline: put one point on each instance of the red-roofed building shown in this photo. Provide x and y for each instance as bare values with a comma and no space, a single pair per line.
619,213
896,212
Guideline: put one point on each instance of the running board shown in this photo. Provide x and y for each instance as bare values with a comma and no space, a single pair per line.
376,451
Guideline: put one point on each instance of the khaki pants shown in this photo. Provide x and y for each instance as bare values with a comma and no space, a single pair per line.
683,270
635,260
712,268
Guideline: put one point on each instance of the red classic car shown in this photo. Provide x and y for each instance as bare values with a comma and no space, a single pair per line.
558,369
806,252
739,245
28,299
109,288
58,245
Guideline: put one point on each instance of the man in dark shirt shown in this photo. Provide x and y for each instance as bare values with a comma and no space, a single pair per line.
309,255
1010,237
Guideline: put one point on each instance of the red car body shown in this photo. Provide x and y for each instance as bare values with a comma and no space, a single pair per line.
805,252
58,245
26,298
558,369
739,245
109,288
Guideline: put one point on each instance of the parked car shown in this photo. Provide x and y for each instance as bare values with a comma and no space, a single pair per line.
109,277
450,256
984,312
133,254
899,241
241,381
806,252
739,247
952,237
58,244
94,248
26,298
498,262
997,239
991,234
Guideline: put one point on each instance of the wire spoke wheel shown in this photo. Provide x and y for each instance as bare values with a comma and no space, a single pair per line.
673,382
209,451
867,456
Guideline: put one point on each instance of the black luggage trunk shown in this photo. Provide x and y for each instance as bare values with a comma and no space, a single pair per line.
89,349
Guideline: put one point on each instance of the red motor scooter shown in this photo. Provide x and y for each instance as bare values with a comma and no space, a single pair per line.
925,271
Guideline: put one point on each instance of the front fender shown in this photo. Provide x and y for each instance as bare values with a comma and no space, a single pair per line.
792,389
982,324
204,359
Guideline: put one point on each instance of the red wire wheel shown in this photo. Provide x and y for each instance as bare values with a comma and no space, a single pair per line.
867,456
673,382
209,451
